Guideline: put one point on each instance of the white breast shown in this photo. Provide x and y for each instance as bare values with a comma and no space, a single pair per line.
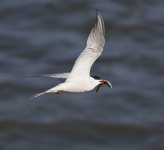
78,85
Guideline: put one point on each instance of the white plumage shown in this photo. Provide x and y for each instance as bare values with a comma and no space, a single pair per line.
79,79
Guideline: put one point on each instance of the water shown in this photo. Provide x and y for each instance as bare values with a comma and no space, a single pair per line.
40,37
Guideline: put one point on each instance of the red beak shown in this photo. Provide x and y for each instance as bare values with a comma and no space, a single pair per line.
102,82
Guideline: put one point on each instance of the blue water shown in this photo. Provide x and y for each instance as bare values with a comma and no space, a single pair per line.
46,36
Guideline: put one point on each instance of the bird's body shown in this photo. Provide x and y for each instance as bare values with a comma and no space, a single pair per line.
79,79
76,85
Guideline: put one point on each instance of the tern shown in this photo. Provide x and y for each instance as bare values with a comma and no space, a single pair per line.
79,79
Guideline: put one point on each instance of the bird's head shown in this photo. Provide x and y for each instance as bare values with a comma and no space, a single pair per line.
101,82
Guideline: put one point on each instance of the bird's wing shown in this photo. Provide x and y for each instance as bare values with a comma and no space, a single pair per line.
55,75
93,50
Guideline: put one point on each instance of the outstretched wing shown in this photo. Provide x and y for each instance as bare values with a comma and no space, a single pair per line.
55,75
93,50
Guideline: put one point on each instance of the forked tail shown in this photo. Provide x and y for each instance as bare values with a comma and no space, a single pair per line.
45,92
37,95
52,90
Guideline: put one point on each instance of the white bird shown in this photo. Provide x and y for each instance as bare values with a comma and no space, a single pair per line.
79,79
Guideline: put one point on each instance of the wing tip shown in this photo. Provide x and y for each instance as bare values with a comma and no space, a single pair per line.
99,18
98,12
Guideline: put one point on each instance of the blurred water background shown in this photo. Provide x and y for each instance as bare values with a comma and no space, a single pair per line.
46,36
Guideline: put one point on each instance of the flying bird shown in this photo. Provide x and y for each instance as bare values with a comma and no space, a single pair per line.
79,79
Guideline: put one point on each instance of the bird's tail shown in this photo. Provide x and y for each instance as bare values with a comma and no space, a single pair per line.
39,94
52,90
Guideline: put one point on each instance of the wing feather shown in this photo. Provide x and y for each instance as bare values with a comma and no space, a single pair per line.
55,75
93,50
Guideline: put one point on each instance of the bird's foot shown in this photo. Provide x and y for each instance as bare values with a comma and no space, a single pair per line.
60,92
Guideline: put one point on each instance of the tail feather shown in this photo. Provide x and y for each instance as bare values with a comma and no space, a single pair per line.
37,95
52,90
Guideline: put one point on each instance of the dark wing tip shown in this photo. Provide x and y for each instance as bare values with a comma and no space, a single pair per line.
100,18
98,12
97,34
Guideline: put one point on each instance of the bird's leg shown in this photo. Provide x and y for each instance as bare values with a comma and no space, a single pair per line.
60,91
